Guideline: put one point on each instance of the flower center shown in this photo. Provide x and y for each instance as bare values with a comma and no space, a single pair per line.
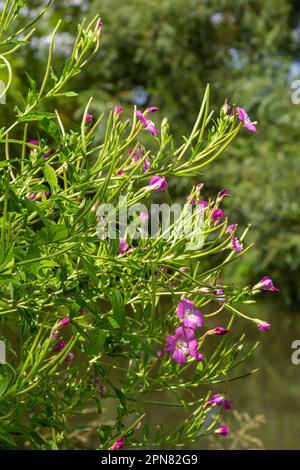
193,318
183,346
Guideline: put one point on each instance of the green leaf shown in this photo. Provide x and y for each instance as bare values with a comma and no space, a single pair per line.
52,233
118,307
36,117
50,177
69,94
51,128
96,342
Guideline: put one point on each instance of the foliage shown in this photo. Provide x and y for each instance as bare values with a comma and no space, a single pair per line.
85,318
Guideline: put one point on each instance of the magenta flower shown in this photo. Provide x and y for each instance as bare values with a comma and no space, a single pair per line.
46,155
69,357
237,245
219,331
243,117
118,444
150,126
139,153
186,311
204,290
227,404
32,196
183,344
118,110
33,142
231,228
55,335
120,172
219,294
88,117
59,346
265,284
64,322
158,183
146,165
152,109
203,203
223,430
190,200
159,353
223,193
123,246
142,118
217,215
263,325
219,400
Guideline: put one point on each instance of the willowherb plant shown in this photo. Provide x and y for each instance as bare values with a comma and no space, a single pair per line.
95,318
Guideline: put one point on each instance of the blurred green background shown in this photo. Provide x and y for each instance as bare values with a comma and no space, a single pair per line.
163,53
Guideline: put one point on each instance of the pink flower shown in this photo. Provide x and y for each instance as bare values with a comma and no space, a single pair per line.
33,142
237,245
55,335
203,203
223,193
158,183
64,322
219,331
223,430
263,325
123,246
69,357
231,228
183,344
243,116
215,399
118,110
139,153
217,215
146,165
190,200
219,294
219,400
32,196
191,318
46,155
265,284
88,117
204,290
120,172
118,444
142,118
159,353
152,109
59,346
227,404
151,127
